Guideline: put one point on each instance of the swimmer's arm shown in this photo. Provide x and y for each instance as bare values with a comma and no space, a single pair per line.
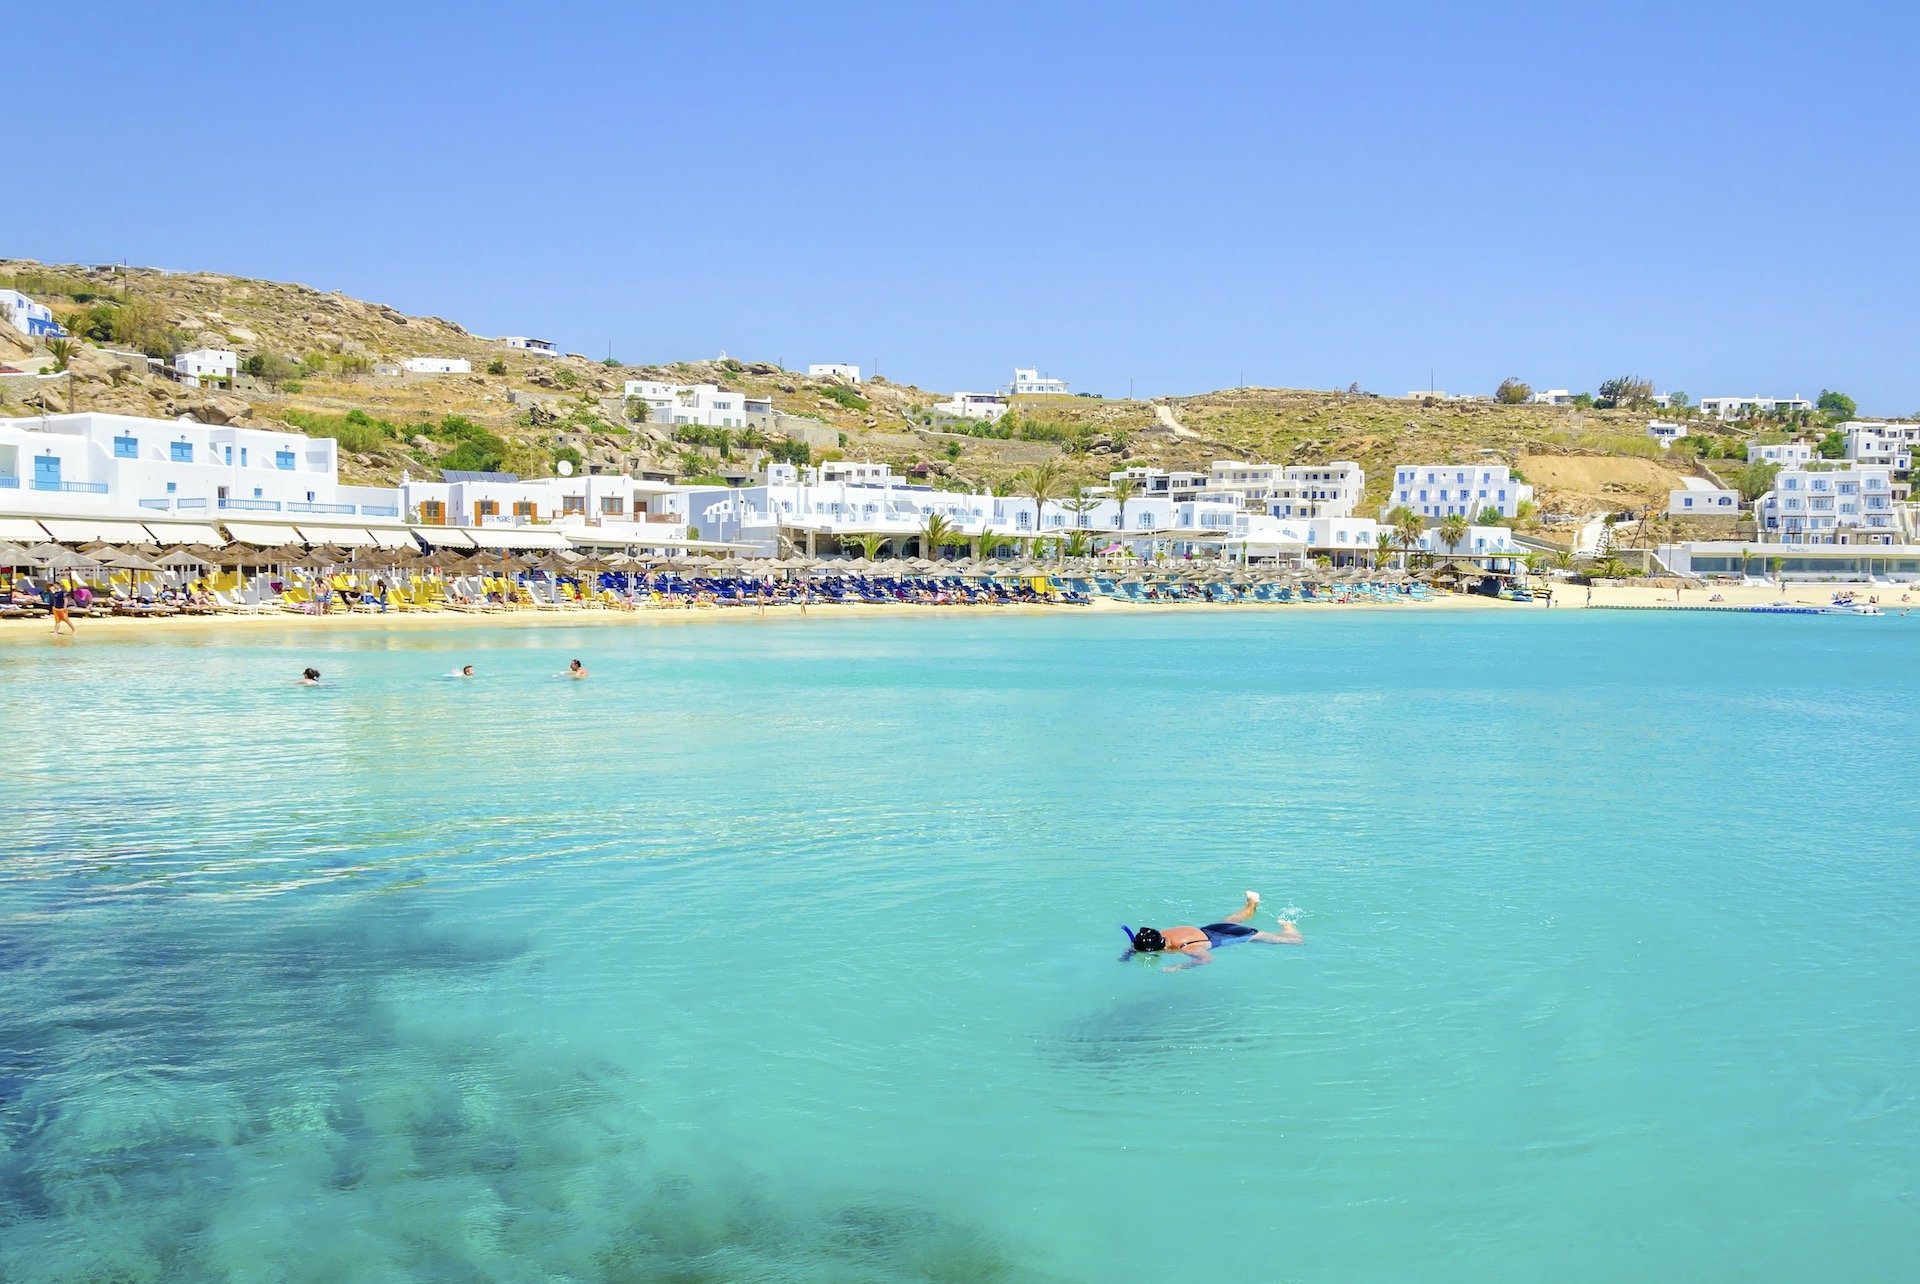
1197,956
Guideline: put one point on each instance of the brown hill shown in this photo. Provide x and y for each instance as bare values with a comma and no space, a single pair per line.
531,410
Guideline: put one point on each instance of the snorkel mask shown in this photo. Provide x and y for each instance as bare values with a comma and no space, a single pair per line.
1147,940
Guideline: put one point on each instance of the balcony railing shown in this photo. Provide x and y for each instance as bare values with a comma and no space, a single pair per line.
71,488
161,504
9,482
293,507
251,505
379,510
190,505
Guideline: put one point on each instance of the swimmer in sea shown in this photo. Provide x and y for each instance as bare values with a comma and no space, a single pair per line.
1198,943
466,671
575,670
311,678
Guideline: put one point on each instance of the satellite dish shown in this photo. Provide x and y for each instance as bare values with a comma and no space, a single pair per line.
564,468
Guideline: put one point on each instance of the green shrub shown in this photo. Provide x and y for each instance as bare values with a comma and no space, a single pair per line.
356,430
845,396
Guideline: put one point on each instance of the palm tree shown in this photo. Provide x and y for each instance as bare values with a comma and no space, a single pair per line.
61,350
870,544
1563,560
1079,543
1775,564
1123,490
1407,529
1383,540
936,535
1453,529
986,544
1044,482
1080,506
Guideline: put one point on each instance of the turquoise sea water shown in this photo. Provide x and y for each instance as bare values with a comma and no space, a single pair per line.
788,951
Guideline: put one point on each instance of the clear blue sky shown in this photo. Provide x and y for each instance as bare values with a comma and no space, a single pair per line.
1722,197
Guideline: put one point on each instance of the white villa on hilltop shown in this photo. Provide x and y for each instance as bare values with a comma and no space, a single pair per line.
834,370
205,364
540,347
704,404
1746,407
35,320
437,365
1029,382
985,406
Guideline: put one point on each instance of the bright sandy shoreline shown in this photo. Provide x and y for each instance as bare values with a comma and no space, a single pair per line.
1566,596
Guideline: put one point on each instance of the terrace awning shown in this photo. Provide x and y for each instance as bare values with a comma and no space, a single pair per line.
22,529
265,534
338,536
516,537
392,538
184,533
75,530
444,536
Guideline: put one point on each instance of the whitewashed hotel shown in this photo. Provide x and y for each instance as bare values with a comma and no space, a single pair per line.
1829,502
1435,491
614,501
174,468
1290,490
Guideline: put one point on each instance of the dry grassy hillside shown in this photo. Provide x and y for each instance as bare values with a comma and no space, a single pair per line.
525,411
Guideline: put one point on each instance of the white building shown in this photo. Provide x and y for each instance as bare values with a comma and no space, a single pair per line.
1830,502
1698,497
704,404
1029,382
1151,482
1665,431
817,508
1748,407
1886,443
987,406
545,347
1286,490
834,370
128,479
642,511
35,320
205,363
1441,490
170,467
1552,397
437,365
1811,563
1784,453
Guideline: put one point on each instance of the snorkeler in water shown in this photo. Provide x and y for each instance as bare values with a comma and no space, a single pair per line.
1198,943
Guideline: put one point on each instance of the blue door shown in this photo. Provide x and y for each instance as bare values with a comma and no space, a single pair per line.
46,472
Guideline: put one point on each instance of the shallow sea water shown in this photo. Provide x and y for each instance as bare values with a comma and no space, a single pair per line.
788,951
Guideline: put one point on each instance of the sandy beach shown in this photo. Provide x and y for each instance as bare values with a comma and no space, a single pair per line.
1566,597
